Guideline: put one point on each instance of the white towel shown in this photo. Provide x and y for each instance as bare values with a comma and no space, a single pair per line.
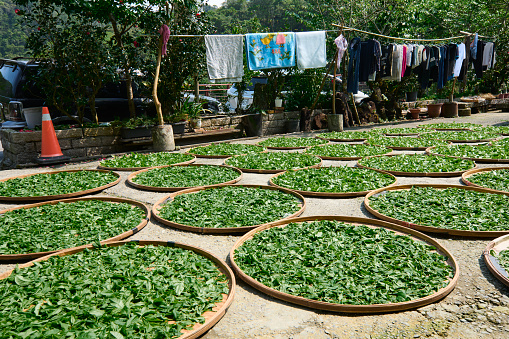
225,57
311,50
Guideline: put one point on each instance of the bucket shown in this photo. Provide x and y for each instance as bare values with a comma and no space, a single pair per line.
450,109
411,96
33,116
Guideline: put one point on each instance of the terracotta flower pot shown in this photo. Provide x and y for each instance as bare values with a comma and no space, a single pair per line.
434,110
415,112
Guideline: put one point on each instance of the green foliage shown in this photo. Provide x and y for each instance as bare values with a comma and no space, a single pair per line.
497,179
54,184
273,161
345,136
479,135
333,179
65,225
121,292
291,142
132,123
12,36
497,151
226,149
450,208
353,151
452,125
136,160
230,206
503,259
417,163
404,142
303,88
341,263
400,131
186,176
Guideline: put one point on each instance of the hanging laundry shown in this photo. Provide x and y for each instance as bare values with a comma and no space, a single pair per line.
466,61
403,61
452,56
311,50
473,47
270,50
488,56
459,61
386,61
224,57
378,59
424,69
441,67
354,49
369,60
397,64
342,46
479,59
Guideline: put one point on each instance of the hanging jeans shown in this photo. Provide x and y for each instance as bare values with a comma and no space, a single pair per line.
354,48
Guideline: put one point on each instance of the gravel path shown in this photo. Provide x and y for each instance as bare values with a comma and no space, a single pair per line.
477,308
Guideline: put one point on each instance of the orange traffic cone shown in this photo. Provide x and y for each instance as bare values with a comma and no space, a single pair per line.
50,148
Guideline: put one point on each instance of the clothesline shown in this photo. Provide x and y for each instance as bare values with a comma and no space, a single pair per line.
397,38
202,35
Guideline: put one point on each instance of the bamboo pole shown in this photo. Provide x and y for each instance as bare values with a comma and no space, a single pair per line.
323,81
356,114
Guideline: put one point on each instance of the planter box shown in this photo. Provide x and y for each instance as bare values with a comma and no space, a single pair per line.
137,132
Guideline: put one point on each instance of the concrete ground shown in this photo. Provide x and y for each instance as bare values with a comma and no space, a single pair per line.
477,308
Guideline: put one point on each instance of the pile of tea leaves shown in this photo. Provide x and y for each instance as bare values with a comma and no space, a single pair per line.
141,160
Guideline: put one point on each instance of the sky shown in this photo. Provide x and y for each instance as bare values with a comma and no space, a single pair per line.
215,2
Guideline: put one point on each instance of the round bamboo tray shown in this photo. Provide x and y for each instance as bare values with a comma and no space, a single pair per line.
398,148
262,171
59,196
127,169
497,245
468,141
217,156
431,229
292,148
31,256
346,308
467,174
347,158
429,150
342,140
414,174
226,230
211,317
173,189
330,194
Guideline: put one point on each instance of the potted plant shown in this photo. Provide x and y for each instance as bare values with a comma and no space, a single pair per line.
413,85
434,110
137,127
415,111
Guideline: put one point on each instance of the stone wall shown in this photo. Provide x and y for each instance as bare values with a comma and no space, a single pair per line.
23,148
275,123
220,122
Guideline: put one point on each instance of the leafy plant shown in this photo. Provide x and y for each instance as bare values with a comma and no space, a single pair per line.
341,263
64,225
132,123
497,179
354,151
121,292
461,135
230,206
404,142
452,125
55,183
504,130
401,130
186,176
333,179
417,163
226,149
273,161
497,151
449,208
346,135
291,142
136,160
503,259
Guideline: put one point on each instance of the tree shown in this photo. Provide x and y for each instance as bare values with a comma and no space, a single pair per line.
12,36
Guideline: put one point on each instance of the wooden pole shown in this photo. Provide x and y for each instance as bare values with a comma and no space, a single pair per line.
157,103
356,114
323,81
451,98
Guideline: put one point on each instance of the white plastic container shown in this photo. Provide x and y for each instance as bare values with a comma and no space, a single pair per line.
33,116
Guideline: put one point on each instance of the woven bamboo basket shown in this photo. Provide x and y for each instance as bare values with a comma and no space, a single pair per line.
331,194
414,174
347,308
173,189
190,151
262,171
21,257
59,196
132,169
430,150
468,174
347,158
211,317
431,229
226,230
497,245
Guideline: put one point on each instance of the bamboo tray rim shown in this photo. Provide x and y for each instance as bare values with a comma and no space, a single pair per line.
30,256
341,140
497,245
431,229
293,147
211,317
415,174
223,230
467,174
331,194
60,196
323,157
403,148
429,150
219,156
468,141
173,189
127,169
265,171
347,308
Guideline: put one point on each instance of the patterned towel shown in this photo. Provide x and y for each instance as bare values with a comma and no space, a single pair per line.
270,50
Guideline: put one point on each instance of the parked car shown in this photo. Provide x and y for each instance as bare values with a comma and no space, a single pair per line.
17,84
214,106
